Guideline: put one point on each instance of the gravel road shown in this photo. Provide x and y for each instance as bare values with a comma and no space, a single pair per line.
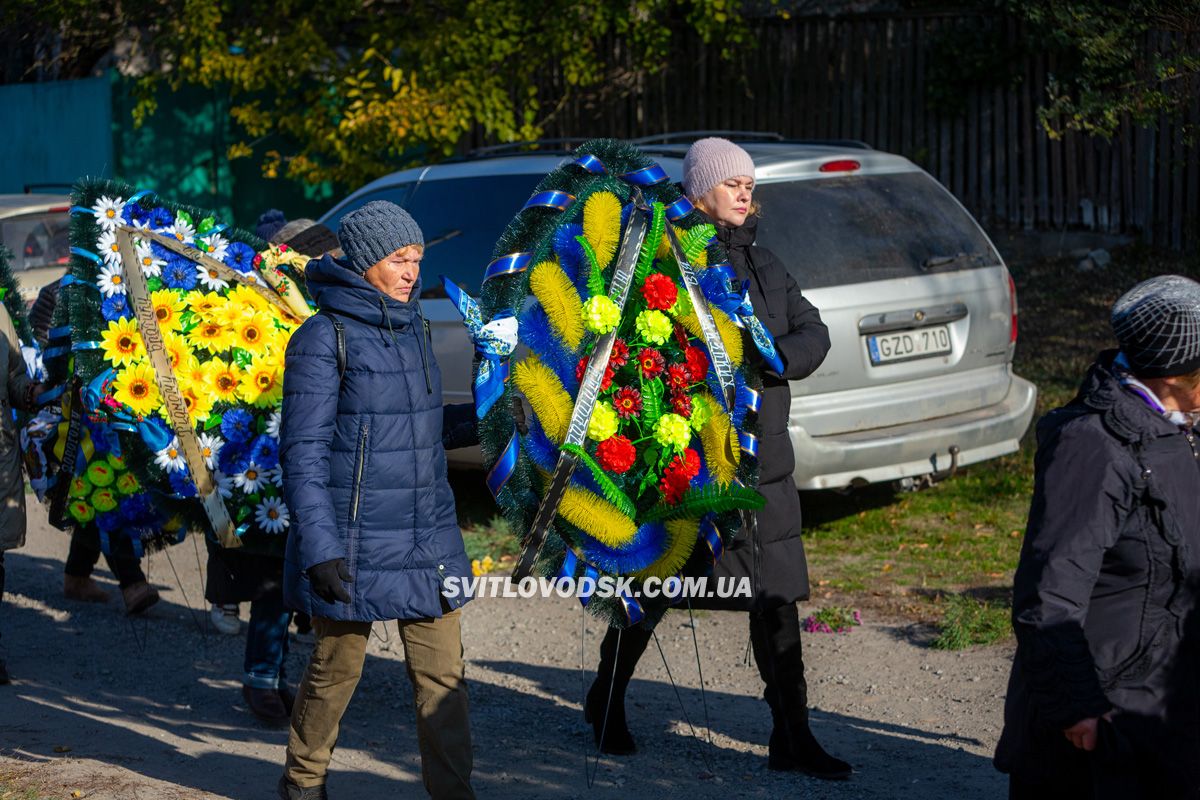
119,710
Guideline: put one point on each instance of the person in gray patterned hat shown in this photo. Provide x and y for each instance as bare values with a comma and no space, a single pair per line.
1103,699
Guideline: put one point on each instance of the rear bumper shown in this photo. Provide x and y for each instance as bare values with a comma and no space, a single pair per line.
886,454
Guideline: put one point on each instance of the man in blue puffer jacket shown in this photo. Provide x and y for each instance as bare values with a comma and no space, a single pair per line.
374,532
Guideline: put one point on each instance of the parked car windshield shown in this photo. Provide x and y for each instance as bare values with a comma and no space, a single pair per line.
861,228
461,218
37,240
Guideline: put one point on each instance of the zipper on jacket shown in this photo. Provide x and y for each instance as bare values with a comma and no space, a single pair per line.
358,470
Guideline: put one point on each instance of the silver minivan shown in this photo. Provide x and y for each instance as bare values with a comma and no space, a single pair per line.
922,311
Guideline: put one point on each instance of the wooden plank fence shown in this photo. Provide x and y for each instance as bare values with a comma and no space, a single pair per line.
868,78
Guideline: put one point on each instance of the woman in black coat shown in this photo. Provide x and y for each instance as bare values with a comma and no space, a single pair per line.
1103,700
719,179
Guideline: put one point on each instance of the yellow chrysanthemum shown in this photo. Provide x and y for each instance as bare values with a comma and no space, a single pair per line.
210,335
223,379
199,401
252,332
177,350
604,422
168,307
205,305
121,343
262,384
135,388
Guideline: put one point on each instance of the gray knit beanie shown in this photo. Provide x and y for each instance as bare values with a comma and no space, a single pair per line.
375,231
1157,324
710,161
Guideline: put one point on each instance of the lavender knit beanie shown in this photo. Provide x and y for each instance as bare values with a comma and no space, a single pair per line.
710,161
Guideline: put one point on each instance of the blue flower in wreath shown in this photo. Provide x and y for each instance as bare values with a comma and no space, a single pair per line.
240,256
161,218
136,511
181,484
161,253
108,521
115,307
237,426
265,452
179,273
233,458
135,215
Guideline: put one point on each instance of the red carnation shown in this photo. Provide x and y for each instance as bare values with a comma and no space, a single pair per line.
678,377
681,335
627,401
687,465
681,404
650,361
616,453
697,363
672,485
620,354
660,292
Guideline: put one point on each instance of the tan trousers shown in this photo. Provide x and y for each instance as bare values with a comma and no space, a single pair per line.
433,654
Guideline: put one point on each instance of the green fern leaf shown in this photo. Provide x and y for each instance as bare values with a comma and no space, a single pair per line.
697,502
650,245
595,279
694,240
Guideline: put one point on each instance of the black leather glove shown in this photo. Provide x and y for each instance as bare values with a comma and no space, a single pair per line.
327,579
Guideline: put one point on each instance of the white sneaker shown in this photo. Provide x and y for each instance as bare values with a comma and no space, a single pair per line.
225,618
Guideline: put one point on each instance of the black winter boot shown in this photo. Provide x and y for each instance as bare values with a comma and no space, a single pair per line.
290,791
775,636
614,673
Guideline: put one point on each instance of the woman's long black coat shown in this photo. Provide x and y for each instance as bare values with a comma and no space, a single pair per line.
774,560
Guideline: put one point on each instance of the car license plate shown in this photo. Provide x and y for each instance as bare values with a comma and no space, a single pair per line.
886,348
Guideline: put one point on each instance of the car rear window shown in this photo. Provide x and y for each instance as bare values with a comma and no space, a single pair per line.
37,240
461,219
860,228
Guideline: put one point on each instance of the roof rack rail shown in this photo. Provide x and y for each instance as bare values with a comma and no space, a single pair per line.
691,136
564,145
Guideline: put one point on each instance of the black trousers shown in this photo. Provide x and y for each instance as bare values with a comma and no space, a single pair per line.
85,552
1,577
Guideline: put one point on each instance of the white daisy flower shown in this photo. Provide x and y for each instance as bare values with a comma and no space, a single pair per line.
181,230
209,279
218,246
224,484
111,280
272,515
108,212
275,476
106,244
251,480
170,457
273,423
210,448
151,264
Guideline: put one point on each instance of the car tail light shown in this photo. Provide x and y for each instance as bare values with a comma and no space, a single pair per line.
841,165
1012,304
60,209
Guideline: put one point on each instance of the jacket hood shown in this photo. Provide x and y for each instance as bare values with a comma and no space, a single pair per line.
1125,414
337,288
739,237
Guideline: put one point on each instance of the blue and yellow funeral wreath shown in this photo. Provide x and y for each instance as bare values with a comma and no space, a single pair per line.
639,455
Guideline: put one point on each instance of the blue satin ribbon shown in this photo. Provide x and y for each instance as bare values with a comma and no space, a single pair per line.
588,572
81,210
569,565
503,469
214,230
61,332
551,199
493,366
79,251
712,537
56,352
633,609
155,434
646,176
138,196
68,279
679,209
508,265
749,398
96,389
92,345
748,443
717,283
592,164
51,395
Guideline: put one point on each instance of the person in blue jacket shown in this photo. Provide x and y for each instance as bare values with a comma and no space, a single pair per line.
374,532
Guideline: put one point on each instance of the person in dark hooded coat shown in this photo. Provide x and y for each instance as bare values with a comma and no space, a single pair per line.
374,533
719,179
1102,701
